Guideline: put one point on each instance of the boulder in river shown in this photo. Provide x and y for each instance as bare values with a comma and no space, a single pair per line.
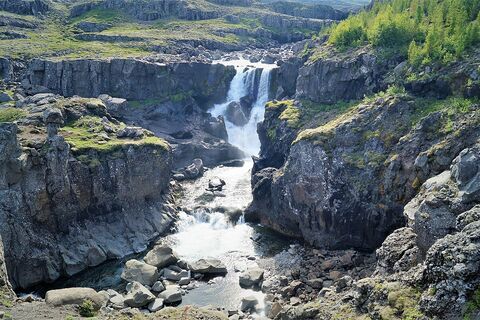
235,114
158,286
138,296
172,275
155,305
139,271
171,294
195,170
208,266
251,277
161,256
216,184
74,296
248,304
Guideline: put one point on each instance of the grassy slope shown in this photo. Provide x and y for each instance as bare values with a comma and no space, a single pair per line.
55,36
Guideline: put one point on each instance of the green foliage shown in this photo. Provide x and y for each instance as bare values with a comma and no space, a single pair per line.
87,309
350,32
11,114
472,306
426,30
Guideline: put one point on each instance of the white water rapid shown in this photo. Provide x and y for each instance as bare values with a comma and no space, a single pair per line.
213,226
244,84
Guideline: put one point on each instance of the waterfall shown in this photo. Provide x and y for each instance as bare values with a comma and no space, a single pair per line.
243,84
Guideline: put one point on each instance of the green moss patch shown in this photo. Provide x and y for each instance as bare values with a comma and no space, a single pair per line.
11,114
88,133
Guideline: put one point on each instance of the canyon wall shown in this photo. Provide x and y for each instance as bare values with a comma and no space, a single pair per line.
131,79
333,178
61,211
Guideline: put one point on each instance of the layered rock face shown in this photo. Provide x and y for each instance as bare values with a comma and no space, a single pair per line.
355,173
25,7
131,79
149,10
318,11
350,77
61,214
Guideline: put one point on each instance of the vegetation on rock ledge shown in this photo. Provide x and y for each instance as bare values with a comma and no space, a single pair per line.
427,30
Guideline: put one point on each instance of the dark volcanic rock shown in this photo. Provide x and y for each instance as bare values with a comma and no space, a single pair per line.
131,79
445,202
285,77
148,10
25,7
328,80
59,215
315,11
355,174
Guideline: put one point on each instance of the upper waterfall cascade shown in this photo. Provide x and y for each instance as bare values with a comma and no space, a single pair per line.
244,84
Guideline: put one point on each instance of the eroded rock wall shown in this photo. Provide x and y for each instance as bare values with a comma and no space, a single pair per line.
342,77
59,216
344,184
131,79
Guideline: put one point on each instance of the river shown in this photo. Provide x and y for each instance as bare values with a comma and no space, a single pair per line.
212,225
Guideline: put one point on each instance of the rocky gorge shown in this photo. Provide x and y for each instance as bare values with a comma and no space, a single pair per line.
302,181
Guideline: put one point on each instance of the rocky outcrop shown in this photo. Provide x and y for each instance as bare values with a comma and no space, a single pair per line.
191,131
131,79
316,11
447,201
148,10
285,26
63,210
342,77
355,173
439,252
25,7
284,78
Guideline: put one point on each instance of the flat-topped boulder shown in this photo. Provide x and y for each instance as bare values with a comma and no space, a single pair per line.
140,271
74,296
138,296
251,277
161,256
208,266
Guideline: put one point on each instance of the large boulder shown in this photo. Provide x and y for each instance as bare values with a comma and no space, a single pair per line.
138,296
171,294
235,114
75,296
452,266
399,252
195,170
248,304
114,105
446,198
141,272
251,277
161,256
208,266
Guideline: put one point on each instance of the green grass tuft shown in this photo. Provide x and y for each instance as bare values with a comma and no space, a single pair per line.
11,114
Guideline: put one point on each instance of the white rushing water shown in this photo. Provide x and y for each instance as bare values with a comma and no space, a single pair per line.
243,84
212,226
206,228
